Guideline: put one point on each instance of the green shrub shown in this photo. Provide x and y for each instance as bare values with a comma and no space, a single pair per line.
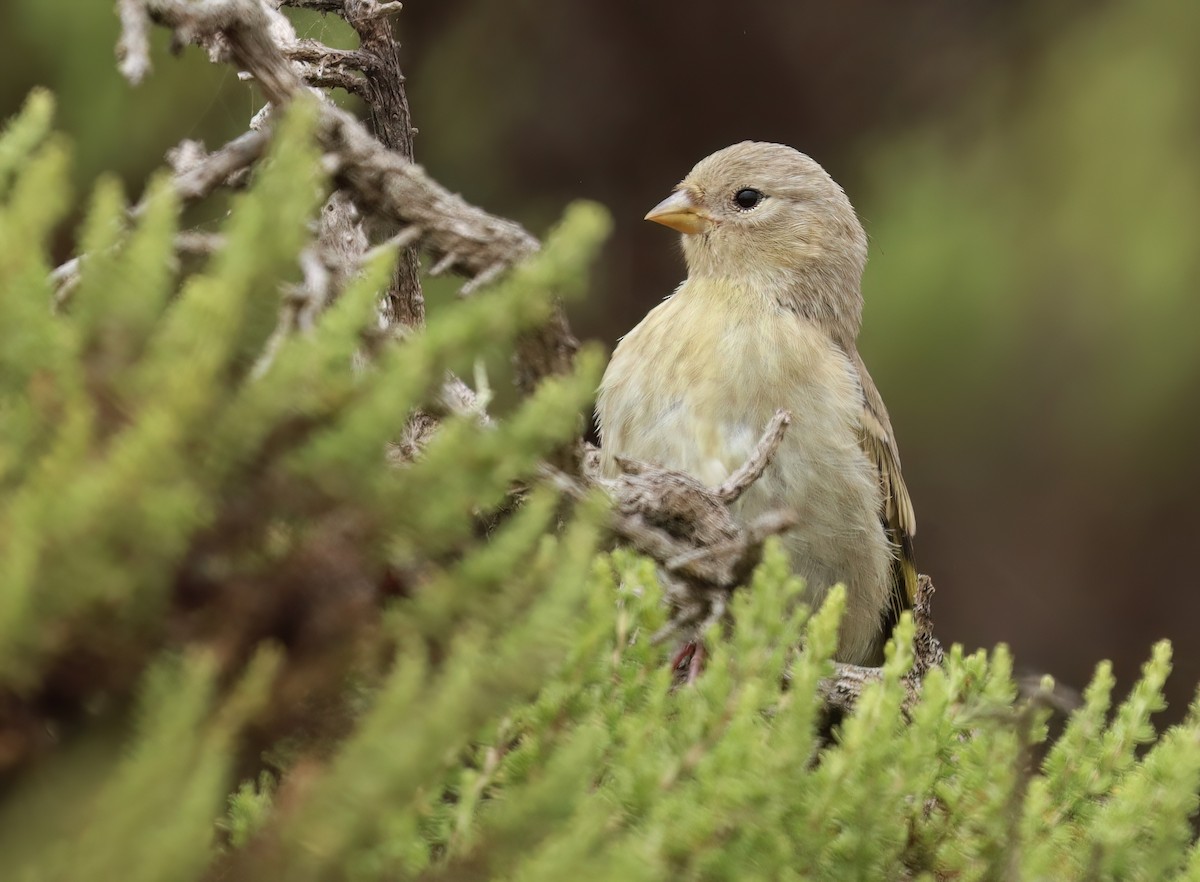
211,575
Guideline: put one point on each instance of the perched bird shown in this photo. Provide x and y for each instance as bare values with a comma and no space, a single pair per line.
767,318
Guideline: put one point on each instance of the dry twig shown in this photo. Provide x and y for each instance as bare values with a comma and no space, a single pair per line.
459,236
702,550
841,691
382,181
380,173
198,174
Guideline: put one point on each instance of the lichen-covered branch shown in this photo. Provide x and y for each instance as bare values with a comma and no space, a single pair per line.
841,691
384,182
703,552
461,236
198,174
318,54
467,238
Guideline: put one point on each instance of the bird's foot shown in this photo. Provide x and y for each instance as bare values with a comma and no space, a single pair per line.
689,661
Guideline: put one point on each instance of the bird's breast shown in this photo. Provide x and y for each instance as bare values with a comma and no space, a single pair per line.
695,384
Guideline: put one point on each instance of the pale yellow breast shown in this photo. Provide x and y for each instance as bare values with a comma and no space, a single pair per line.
695,384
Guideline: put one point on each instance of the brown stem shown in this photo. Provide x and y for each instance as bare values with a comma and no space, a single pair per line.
391,120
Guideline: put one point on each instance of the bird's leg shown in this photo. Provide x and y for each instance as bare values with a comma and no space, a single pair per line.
683,658
689,661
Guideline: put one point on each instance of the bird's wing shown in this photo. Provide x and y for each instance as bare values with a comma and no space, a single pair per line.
899,520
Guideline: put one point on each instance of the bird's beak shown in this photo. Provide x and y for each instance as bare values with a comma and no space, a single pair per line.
679,211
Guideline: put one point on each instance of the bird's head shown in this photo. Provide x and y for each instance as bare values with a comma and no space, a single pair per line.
769,216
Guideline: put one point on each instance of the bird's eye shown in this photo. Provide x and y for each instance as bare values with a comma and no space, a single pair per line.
747,198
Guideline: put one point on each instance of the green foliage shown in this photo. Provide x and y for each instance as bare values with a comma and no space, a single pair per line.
608,774
123,425
249,809
218,535
164,487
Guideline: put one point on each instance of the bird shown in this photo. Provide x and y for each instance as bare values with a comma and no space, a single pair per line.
768,318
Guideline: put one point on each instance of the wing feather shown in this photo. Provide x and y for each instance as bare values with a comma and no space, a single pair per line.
899,519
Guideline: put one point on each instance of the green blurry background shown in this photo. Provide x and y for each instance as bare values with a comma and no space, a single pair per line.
1029,174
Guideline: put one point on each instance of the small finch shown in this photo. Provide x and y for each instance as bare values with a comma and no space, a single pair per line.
767,318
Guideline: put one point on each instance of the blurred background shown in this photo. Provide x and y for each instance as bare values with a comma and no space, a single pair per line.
1029,175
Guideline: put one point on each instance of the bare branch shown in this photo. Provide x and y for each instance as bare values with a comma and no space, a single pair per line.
365,10
455,398
375,9
315,5
443,263
482,280
341,240
316,52
197,174
240,30
330,68
928,649
752,469
382,88
841,691
332,77
703,551
709,564
332,260
194,243
384,183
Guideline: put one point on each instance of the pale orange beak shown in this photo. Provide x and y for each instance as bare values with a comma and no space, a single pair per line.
680,212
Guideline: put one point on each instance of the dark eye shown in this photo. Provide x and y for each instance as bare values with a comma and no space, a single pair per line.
747,198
